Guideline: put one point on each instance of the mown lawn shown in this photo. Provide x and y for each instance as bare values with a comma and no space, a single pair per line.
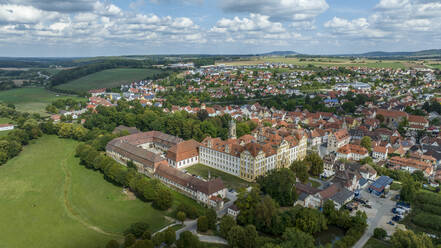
229,180
108,79
32,100
48,200
375,243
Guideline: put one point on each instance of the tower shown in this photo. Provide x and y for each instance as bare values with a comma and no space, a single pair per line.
232,130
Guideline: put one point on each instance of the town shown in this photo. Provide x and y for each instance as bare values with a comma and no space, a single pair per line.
365,130
220,124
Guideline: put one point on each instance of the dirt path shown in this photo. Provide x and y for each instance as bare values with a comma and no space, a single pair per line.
68,205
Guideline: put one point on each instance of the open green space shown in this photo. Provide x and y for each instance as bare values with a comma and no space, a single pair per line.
32,100
49,200
229,180
108,79
371,63
375,243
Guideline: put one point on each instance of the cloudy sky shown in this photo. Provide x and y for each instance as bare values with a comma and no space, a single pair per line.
122,27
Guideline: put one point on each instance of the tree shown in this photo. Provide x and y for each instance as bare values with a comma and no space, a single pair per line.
163,199
146,235
366,142
418,175
129,240
227,222
202,224
408,190
187,239
408,239
202,114
310,221
211,218
181,216
279,184
301,170
265,213
251,234
112,244
237,237
316,164
143,244
169,236
380,233
294,238
137,229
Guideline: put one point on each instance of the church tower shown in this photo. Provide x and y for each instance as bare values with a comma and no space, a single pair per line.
232,130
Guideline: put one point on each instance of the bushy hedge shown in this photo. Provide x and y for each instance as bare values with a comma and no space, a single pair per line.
427,220
146,189
428,197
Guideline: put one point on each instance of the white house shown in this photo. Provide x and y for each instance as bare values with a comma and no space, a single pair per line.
5,127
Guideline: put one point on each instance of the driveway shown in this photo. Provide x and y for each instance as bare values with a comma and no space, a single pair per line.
378,215
191,225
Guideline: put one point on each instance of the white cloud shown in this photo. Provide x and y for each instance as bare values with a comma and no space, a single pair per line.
393,20
105,23
254,29
11,13
278,10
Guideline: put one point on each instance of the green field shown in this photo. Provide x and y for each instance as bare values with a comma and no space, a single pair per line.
229,180
48,200
108,79
32,100
371,63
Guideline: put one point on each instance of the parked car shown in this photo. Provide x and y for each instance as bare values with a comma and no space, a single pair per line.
396,218
368,206
391,223
398,211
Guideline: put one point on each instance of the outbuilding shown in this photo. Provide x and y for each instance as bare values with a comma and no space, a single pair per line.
380,185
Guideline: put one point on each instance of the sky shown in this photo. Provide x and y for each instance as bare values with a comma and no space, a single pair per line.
79,28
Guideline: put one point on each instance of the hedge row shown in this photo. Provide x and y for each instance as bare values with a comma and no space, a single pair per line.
146,189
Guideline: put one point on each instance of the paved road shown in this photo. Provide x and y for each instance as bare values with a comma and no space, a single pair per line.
191,225
380,207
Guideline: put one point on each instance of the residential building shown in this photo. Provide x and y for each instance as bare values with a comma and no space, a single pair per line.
352,152
338,139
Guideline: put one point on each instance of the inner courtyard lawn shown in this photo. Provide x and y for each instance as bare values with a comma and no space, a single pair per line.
48,200
232,182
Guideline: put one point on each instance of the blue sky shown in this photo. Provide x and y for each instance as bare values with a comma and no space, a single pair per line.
55,28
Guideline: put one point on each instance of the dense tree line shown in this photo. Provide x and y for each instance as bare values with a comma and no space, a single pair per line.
181,124
354,226
26,129
151,190
7,85
292,103
280,185
65,104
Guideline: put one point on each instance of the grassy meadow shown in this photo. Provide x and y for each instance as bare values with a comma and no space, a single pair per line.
107,79
32,100
48,200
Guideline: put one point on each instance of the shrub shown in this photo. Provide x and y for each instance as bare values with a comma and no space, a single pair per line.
202,224
380,233
137,229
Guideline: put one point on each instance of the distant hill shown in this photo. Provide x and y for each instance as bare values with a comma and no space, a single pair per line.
423,53
279,53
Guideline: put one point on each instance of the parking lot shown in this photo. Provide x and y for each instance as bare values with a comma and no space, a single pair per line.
378,215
